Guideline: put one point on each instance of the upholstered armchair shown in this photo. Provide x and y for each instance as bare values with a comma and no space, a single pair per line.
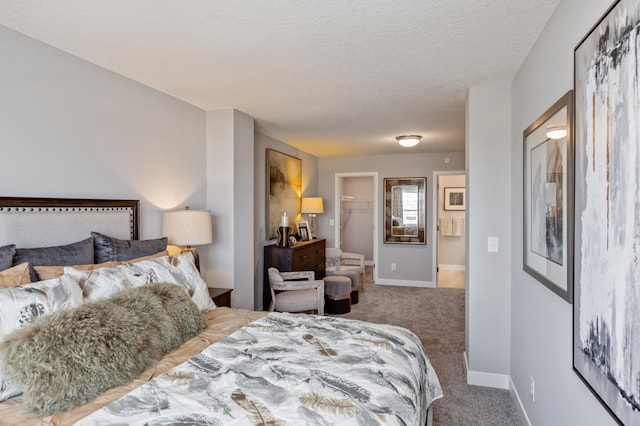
295,291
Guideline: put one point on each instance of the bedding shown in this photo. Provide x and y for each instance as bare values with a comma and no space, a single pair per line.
14,276
105,282
222,321
290,369
71,356
6,256
54,271
77,253
109,249
21,305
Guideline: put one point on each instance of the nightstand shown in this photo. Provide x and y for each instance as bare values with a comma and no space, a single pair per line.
221,296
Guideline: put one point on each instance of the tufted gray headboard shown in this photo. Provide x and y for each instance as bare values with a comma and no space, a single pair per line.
44,222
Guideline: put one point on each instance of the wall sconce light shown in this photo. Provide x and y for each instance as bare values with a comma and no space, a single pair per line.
408,140
312,206
188,228
556,132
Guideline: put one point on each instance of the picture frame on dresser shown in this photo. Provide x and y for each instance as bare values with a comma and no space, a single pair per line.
606,306
303,230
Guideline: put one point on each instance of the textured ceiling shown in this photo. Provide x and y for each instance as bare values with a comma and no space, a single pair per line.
331,77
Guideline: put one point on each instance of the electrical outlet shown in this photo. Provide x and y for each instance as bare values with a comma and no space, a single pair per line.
532,389
393,266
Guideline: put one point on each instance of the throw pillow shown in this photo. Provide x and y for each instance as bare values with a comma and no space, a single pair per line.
48,272
109,249
69,357
23,304
6,256
14,276
181,269
78,253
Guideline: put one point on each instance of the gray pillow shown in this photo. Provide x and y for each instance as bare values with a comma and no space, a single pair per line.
6,256
79,253
69,357
109,249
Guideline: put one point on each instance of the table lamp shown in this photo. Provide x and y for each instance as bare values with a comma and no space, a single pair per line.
312,206
188,228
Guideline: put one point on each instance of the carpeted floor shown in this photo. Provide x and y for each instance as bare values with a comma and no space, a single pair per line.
437,317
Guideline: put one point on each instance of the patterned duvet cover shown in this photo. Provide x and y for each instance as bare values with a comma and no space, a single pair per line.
290,369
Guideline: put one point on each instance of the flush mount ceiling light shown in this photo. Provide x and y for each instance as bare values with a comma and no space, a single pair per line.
408,140
556,132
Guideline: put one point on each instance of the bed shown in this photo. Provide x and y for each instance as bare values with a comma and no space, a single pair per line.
243,367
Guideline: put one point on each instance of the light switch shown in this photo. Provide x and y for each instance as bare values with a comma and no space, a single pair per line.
492,244
330,222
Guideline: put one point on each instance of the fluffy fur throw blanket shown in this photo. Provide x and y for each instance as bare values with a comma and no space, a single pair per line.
71,356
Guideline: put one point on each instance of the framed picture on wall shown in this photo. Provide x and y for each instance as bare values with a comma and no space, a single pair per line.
606,310
284,189
548,153
455,199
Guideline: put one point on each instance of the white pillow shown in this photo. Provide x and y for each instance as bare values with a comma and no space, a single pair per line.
181,269
21,305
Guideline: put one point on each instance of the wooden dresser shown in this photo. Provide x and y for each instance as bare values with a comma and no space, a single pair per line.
304,256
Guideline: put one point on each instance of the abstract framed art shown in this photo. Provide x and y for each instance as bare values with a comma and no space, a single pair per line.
284,189
548,154
606,314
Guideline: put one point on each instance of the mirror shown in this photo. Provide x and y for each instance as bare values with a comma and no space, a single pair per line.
404,200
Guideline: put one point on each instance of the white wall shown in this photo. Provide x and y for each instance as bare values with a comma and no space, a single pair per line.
541,324
488,215
357,216
451,249
72,129
414,262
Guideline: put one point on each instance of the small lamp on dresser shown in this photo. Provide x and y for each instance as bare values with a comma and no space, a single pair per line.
312,206
187,228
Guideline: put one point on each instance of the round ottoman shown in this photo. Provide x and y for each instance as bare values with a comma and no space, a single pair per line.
337,294
354,276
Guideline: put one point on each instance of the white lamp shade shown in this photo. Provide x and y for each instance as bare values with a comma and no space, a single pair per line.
188,227
312,205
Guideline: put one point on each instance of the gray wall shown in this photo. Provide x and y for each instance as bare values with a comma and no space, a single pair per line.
72,129
541,323
488,215
414,262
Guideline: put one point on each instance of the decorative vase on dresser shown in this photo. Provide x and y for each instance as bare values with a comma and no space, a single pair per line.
303,256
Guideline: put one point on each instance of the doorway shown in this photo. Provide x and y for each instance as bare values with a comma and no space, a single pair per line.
356,213
451,253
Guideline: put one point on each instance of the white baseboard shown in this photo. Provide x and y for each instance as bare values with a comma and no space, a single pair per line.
406,283
518,403
452,267
490,380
